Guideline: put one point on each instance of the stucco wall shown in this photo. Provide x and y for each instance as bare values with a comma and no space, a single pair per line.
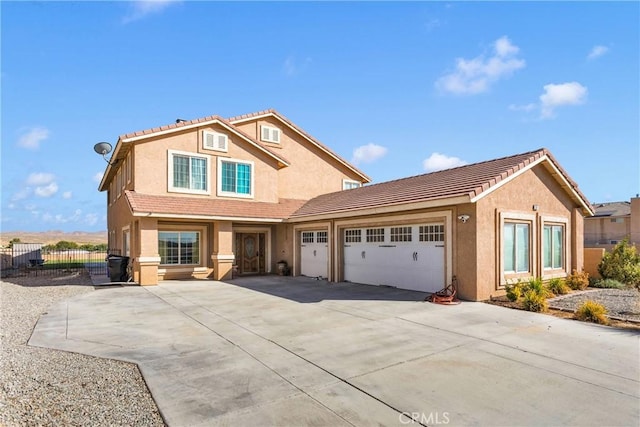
311,173
465,251
536,196
592,257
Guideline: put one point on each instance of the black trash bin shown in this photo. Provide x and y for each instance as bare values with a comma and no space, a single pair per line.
118,268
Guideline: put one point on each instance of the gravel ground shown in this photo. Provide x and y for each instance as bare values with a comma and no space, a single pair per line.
620,303
42,387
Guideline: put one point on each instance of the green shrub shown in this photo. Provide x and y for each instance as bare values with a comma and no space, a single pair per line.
514,292
578,280
538,287
621,264
591,311
533,301
558,286
608,283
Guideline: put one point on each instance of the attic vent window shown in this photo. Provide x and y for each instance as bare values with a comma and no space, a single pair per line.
214,141
269,134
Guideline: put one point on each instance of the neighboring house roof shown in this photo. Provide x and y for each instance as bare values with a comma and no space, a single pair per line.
206,208
458,185
301,132
612,209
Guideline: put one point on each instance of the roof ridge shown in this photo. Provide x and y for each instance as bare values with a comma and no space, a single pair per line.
459,167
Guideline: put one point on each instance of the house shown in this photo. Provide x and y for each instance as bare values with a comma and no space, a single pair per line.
611,223
210,197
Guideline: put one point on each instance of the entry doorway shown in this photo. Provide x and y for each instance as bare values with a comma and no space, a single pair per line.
250,253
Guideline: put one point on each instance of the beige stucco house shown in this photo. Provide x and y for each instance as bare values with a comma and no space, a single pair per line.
613,222
212,197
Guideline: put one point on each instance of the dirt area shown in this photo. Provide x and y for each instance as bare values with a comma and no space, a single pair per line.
623,305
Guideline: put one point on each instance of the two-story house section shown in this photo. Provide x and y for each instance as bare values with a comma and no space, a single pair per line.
199,198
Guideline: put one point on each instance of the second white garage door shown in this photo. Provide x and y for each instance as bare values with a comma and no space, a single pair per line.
404,256
313,254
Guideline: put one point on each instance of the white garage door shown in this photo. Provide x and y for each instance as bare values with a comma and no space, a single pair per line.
404,256
313,253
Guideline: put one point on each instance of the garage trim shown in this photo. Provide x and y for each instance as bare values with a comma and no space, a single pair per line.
297,242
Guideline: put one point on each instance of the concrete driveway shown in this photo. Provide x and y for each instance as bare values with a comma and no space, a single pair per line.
300,352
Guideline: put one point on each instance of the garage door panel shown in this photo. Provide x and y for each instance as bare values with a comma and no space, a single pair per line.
414,259
313,254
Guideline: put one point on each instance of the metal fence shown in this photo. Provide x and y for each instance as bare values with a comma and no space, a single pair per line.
33,259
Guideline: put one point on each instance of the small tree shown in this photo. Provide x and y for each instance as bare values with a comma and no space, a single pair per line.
14,240
621,264
64,245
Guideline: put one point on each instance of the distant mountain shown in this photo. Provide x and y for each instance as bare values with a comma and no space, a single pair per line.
54,236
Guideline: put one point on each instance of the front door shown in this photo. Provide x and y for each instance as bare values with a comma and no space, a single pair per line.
250,252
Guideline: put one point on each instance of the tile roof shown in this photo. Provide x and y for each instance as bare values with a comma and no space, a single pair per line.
612,209
208,207
470,180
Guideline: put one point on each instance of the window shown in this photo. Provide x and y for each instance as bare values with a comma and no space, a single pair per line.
307,237
129,167
353,236
321,237
400,234
553,246
617,220
516,247
348,184
188,172
270,134
235,178
431,233
126,242
214,141
375,235
179,247
119,181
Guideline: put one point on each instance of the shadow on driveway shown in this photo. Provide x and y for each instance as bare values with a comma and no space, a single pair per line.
309,290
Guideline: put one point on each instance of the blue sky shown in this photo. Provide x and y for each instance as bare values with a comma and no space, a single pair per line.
398,88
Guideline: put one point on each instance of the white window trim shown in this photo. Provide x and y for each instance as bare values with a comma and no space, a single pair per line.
171,188
231,194
215,136
271,132
350,181
129,168
126,241
549,273
533,232
199,230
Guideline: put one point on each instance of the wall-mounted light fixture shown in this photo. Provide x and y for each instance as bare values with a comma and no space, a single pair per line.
103,148
536,207
464,218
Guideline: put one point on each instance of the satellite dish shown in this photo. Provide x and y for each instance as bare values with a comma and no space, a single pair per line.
102,148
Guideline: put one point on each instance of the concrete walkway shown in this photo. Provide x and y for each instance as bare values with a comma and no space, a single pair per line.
298,352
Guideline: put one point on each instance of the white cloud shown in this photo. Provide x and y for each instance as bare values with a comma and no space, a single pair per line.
476,75
558,95
40,178
98,177
368,153
526,107
31,139
597,51
141,8
292,67
437,162
67,195
46,190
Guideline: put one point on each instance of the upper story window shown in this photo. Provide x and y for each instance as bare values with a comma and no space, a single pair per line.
348,184
235,178
188,172
214,141
269,134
